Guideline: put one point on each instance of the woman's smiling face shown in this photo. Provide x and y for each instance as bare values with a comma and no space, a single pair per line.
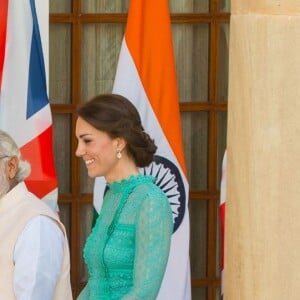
97,149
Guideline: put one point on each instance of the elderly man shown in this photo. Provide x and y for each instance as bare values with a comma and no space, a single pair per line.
34,253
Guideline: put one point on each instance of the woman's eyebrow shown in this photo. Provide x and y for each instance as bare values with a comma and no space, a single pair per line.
84,135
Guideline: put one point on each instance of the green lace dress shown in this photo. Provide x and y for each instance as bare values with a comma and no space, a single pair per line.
128,248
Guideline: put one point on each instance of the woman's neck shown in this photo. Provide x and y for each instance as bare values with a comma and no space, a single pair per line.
122,171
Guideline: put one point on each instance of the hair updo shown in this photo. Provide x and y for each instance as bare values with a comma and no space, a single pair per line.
118,117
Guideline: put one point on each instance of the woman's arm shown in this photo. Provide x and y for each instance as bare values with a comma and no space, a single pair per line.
153,237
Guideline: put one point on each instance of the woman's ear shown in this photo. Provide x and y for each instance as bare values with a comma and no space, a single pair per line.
12,166
121,143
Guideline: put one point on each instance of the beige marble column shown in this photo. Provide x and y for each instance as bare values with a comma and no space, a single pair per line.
262,232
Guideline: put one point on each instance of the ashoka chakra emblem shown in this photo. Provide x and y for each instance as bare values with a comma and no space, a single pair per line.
169,179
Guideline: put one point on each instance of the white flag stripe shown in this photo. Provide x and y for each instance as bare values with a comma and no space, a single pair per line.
134,91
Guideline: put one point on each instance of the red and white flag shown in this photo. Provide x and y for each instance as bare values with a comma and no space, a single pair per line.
24,105
146,75
222,215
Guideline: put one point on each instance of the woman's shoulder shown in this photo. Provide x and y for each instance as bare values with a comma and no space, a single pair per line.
153,203
149,194
149,187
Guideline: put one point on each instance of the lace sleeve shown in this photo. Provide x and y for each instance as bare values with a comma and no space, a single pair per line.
153,236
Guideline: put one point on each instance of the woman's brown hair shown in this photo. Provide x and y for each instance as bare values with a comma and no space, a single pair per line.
118,117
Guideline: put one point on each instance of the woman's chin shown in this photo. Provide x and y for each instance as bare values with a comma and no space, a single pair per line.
93,174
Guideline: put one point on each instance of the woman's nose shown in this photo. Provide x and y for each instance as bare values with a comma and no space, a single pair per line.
79,151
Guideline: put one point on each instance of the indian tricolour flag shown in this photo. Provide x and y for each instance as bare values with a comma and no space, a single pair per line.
146,75
24,106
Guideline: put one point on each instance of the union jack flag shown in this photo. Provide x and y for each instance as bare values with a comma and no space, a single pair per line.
24,105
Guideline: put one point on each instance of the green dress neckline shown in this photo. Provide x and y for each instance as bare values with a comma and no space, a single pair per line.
126,184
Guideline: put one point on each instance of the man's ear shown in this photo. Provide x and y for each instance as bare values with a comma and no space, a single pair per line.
12,166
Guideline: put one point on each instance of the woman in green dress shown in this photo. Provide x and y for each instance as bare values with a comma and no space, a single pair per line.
128,249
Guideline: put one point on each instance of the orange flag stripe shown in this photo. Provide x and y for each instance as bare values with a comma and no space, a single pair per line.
153,56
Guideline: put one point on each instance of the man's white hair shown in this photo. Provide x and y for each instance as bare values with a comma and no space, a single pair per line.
8,148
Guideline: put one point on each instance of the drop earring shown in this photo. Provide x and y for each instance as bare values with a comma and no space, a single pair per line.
119,154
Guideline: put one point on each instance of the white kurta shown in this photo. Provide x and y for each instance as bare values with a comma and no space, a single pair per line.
38,257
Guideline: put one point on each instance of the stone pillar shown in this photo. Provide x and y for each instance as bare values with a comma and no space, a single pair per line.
262,232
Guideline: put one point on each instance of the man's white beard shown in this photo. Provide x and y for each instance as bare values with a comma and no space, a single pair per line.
4,184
